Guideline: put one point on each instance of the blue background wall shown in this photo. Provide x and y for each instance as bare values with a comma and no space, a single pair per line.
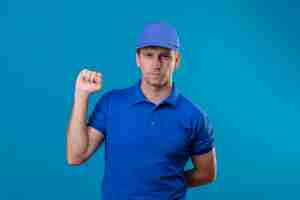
240,62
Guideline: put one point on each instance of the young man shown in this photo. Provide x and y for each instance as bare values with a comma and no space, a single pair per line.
150,130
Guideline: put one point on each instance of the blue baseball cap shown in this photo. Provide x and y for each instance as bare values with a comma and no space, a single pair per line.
158,34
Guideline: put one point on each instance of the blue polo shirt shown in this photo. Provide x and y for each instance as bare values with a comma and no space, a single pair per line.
148,145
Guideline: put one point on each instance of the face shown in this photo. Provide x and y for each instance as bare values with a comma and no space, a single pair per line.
157,65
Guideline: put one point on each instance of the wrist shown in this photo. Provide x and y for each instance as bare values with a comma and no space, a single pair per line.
81,95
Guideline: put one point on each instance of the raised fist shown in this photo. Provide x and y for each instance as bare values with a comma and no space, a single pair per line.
88,81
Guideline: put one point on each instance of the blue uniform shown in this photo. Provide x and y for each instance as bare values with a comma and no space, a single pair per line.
148,145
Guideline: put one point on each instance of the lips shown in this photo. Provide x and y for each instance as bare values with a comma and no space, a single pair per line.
155,74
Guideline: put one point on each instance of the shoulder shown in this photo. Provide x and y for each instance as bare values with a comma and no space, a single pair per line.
117,95
120,93
192,109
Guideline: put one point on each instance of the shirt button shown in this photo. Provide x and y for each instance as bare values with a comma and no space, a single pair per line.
153,122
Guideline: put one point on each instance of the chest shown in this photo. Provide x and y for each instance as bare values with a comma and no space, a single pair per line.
161,132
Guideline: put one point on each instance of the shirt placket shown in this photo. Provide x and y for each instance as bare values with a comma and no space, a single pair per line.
154,118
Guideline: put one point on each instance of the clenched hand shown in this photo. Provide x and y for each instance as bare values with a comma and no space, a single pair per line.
88,81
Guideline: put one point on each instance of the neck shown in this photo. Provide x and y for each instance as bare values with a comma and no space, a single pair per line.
156,94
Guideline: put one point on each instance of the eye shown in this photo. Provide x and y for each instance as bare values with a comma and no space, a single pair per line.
166,56
148,55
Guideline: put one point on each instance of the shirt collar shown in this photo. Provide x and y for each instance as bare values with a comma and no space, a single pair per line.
139,97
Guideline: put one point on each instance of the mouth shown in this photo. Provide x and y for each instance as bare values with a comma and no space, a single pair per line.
155,74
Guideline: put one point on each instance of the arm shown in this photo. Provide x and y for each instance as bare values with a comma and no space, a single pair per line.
204,170
82,141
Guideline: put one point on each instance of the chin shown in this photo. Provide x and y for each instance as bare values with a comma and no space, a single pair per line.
155,82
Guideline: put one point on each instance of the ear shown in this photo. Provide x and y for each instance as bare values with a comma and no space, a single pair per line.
177,60
137,60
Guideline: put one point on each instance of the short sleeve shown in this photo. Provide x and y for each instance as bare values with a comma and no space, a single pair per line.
202,135
98,118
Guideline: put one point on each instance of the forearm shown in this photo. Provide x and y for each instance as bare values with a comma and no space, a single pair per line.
77,136
195,178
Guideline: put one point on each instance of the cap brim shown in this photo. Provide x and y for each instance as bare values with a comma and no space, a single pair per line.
163,45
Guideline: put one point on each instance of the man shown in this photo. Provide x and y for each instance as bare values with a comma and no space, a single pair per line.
150,130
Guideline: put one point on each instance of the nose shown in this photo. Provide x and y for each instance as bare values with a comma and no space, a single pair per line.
157,61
